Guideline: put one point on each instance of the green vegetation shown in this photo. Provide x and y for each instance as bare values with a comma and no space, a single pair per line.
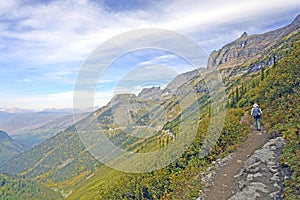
60,158
13,187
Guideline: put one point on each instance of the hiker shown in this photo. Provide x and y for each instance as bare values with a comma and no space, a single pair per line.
256,114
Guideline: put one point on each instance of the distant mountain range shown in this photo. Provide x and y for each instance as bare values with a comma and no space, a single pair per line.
16,121
20,123
34,136
15,110
30,128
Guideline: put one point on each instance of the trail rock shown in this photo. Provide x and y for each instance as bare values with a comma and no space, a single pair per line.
261,176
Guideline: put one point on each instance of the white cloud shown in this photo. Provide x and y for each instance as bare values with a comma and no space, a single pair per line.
70,30
7,6
179,65
26,80
63,30
62,75
48,35
185,14
149,73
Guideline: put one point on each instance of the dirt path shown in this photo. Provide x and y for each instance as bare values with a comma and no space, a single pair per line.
224,184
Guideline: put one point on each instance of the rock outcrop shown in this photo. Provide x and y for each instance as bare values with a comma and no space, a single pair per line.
182,79
246,48
153,93
261,176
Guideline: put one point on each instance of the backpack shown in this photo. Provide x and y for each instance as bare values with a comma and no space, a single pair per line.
256,112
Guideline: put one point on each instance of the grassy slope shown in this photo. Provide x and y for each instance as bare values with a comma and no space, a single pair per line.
279,96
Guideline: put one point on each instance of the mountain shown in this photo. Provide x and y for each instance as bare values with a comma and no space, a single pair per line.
15,110
65,159
8,147
4,115
182,79
247,49
19,123
64,163
153,93
156,93
37,135
68,111
30,128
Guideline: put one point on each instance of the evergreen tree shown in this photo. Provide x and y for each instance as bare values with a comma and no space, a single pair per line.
237,95
262,76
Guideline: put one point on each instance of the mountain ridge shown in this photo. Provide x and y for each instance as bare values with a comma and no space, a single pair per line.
246,47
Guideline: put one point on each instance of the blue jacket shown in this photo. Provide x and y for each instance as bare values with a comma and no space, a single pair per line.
259,111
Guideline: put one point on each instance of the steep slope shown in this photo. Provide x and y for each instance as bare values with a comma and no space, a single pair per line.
59,158
266,174
278,93
246,49
13,187
8,147
182,79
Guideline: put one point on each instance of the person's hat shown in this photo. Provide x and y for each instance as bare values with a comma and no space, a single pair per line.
255,105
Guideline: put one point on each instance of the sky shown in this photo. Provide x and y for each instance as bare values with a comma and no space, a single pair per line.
44,44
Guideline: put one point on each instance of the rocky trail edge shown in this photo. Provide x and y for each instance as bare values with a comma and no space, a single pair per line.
252,171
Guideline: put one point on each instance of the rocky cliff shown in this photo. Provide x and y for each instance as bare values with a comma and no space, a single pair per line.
153,93
246,48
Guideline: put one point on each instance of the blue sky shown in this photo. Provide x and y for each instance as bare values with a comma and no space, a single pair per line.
43,44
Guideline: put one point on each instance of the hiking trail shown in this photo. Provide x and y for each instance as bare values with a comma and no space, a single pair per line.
250,172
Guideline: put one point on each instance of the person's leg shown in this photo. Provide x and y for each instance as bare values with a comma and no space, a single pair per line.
258,123
255,123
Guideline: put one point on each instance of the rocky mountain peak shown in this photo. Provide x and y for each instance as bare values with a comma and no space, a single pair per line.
244,35
296,20
121,98
152,93
246,47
